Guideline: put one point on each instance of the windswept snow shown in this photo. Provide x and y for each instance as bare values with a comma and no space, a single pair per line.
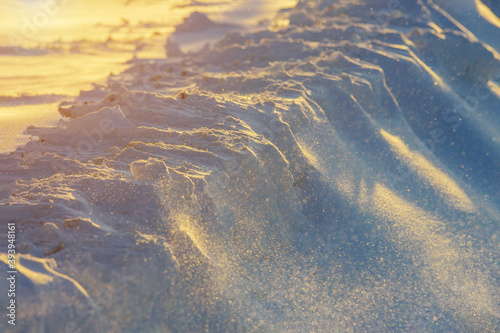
337,171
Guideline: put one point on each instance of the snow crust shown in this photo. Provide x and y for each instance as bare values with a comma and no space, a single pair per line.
335,174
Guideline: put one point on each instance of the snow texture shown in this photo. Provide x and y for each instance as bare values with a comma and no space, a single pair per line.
338,173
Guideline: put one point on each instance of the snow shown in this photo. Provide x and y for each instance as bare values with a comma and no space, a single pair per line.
334,171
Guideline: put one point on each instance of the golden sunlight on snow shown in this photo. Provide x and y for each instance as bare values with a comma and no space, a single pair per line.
454,195
441,257
487,14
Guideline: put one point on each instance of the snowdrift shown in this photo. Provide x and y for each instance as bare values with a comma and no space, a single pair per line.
335,174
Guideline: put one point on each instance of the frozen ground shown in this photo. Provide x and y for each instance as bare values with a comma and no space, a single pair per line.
335,171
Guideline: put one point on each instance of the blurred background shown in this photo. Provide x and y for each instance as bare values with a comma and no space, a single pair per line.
50,50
